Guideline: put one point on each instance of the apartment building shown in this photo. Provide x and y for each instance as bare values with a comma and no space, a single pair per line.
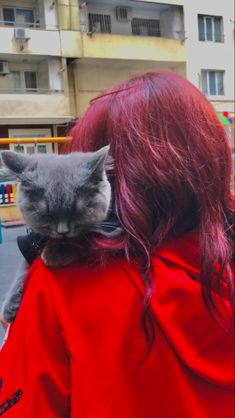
192,38
122,38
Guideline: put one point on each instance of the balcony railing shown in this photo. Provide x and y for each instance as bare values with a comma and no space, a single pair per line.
29,91
145,27
102,23
30,25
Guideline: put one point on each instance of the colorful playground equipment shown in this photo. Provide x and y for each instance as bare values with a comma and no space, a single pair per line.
8,193
8,197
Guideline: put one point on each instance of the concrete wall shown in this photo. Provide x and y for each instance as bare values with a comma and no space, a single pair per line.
132,47
211,55
34,105
41,42
172,23
70,43
55,74
68,14
42,75
50,13
89,80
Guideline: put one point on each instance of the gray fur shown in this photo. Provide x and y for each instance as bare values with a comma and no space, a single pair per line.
61,197
12,300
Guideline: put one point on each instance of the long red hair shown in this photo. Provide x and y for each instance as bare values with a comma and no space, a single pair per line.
172,171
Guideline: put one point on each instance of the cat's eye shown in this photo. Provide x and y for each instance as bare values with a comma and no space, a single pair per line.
32,190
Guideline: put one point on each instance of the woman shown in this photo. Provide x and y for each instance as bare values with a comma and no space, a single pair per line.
142,328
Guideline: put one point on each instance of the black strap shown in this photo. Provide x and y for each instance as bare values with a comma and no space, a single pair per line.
31,245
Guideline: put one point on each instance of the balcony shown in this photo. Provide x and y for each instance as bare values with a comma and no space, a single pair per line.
126,47
134,31
38,21
33,88
29,14
36,42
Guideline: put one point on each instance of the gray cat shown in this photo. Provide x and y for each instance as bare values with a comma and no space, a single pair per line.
60,197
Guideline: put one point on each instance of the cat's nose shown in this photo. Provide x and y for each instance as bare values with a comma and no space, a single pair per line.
62,228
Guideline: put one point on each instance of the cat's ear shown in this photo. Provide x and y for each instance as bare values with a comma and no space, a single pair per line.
98,159
14,161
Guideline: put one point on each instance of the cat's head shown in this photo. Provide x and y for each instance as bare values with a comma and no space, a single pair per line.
61,195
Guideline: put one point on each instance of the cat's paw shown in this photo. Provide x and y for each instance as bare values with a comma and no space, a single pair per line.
3,322
58,254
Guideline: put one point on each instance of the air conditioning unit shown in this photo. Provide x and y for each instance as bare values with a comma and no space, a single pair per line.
4,68
22,34
123,14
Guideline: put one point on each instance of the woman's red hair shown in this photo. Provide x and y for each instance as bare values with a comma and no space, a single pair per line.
172,171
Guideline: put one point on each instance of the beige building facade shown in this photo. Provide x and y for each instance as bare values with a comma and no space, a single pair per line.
194,39
34,89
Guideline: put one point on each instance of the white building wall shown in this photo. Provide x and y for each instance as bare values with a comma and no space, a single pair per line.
50,12
55,74
39,13
172,23
211,55
42,75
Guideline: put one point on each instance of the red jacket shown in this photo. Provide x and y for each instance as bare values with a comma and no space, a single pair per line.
76,348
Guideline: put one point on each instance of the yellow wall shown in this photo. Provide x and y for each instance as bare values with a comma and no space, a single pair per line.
130,47
68,14
71,44
40,105
9,213
93,77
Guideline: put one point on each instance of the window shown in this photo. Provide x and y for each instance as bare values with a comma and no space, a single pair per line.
18,17
99,23
15,80
30,80
213,82
210,28
23,81
145,27
32,148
